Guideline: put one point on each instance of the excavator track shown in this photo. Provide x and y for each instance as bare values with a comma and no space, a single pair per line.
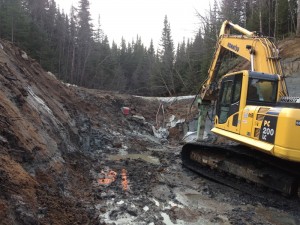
241,167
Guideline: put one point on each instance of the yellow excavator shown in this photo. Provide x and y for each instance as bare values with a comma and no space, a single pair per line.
253,108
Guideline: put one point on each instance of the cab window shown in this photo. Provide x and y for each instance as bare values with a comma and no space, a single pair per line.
262,90
226,98
229,98
225,101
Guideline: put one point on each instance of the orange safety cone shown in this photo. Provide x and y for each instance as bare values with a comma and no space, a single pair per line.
124,180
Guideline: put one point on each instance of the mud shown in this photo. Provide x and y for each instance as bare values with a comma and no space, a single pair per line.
171,194
70,156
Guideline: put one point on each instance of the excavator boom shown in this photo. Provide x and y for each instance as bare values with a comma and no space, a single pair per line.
260,51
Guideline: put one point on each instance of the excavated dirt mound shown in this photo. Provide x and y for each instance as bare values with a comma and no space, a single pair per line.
70,156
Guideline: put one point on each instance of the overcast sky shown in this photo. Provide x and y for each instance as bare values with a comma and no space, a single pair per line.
129,18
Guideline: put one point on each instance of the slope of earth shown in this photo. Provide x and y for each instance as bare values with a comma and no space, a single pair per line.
70,156
290,53
49,135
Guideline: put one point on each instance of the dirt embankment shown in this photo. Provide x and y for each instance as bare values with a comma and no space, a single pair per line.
290,53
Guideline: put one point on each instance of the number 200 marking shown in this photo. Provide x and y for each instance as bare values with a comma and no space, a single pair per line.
267,131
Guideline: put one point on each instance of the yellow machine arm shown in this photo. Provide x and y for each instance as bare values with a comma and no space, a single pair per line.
260,51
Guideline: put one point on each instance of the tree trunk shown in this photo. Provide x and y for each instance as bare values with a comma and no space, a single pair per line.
260,18
73,64
270,14
275,19
298,19
12,29
85,60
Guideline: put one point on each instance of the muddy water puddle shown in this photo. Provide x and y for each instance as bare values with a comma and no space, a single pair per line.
146,158
193,199
277,217
168,221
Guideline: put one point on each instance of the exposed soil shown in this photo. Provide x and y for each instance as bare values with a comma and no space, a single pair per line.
70,156
289,48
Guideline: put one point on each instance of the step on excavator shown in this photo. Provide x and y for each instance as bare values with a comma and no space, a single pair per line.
252,108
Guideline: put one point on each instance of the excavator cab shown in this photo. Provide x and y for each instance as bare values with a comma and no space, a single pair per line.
244,88
249,111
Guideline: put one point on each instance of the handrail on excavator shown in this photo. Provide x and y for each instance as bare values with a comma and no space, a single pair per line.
225,29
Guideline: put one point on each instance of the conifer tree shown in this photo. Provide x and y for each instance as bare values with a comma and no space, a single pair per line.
72,45
282,17
84,39
166,73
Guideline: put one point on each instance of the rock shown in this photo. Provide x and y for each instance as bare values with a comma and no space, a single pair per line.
111,194
114,214
103,195
117,144
24,212
161,192
51,74
161,133
24,55
43,210
146,208
139,119
120,202
132,212
3,140
103,209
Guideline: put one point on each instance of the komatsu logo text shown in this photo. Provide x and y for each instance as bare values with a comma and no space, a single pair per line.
233,47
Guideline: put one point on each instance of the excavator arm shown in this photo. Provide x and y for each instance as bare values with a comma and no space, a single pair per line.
260,51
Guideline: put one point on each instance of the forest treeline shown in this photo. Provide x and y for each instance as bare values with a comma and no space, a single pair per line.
79,52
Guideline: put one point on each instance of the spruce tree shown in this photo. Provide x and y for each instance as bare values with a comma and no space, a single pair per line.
84,40
283,15
166,73
72,49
